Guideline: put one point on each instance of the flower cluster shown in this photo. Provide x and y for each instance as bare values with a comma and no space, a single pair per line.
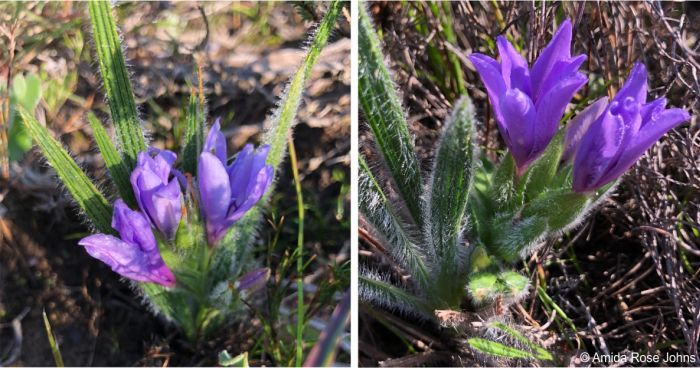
226,193
603,141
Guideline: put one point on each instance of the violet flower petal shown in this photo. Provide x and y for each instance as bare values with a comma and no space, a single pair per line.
216,142
558,48
514,69
550,108
519,119
578,126
597,148
635,85
489,71
214,193
151,181
646,138
134,256
562,69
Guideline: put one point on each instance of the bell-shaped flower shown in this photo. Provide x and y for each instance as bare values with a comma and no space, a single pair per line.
622,133
157,190
227,192
134,256
528,103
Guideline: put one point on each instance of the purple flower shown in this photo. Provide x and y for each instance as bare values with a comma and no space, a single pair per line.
134,256
227,192
528,103
157,193
578,126
622,133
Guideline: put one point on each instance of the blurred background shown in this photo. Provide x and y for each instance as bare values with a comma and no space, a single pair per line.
627,278
247,52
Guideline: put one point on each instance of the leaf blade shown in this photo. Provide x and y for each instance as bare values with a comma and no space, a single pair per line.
81,188
194,135
286,113
116,82
382,110
377,210
114,162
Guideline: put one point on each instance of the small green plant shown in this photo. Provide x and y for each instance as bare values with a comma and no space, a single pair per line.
192,264
454,235
25,92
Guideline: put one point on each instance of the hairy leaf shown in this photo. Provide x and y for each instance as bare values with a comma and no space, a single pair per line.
378,211
115,164
234,249
543,171
116,82
540,352
497,349
80,187
374,290
450,184
286,113
194,135
382,110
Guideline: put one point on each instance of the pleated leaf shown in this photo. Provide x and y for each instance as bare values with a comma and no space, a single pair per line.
90,200
116,82
382,111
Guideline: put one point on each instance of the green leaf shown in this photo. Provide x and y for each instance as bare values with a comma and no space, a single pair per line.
57,357
544,170
194,135
512,234
497,349
450,184
116,82
513,283
540,353
377,210
234,248
560,208
451,179
285,116
226,360
503,188
116,166
81,188
26,91
382,110
547,300
483,287
371,289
